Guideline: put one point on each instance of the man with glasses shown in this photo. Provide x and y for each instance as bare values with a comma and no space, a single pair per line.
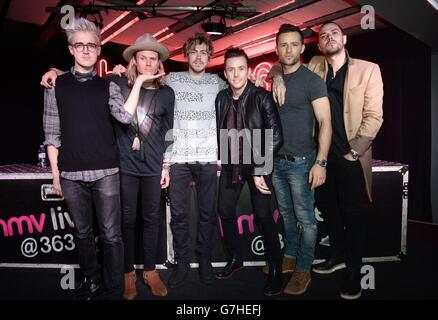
79,47
84,158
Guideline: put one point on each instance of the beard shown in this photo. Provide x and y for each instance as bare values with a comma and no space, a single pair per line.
197,66
292,63
332,51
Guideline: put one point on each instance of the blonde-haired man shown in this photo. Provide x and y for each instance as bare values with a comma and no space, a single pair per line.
84,159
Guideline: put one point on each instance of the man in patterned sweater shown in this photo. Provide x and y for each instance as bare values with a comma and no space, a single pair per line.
194,156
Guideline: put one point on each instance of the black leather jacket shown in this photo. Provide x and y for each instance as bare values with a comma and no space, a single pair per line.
259,112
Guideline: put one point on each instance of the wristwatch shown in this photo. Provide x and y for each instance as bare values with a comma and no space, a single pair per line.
354,154
322,163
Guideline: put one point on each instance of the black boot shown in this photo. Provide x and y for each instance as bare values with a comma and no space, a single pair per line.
88,289
330,265
231,267
351,288
274,283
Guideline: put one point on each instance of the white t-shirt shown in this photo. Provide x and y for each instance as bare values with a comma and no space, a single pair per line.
194,126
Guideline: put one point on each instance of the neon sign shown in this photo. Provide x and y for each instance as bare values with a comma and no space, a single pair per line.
102,68
262,70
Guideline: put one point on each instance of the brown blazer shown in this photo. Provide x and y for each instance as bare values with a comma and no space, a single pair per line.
363,112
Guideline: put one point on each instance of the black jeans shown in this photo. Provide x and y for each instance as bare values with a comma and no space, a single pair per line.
342,199
205,177
104,194
150,190
229,194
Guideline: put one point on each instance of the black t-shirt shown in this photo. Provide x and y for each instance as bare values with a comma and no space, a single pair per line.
155,116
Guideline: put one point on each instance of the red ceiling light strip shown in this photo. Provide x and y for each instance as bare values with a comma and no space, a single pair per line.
257,43
166,37
123,15
253,42
255,39
126,26
160,32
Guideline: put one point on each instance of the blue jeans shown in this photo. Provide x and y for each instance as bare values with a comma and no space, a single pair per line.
105,195
296,204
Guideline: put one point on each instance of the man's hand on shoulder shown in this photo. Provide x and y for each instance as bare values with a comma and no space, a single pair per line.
278,90
48,80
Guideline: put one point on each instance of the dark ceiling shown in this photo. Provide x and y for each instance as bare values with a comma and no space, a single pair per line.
251,24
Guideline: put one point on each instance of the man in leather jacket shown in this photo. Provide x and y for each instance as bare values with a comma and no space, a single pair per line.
249,133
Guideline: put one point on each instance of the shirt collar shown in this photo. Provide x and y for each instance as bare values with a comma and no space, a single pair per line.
83,76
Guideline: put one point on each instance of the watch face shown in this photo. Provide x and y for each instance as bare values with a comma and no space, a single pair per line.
322,163
354,154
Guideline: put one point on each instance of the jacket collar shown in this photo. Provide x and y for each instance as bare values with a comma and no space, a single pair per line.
244,93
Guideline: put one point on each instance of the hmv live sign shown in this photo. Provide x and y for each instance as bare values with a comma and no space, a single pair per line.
250,237
35,227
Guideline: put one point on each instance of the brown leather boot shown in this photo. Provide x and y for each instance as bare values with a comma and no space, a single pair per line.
152,279
298,283
288,266
130,291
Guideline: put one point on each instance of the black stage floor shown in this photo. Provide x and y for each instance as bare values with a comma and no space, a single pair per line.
414,277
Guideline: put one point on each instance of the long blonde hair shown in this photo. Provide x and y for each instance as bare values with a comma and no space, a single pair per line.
132,73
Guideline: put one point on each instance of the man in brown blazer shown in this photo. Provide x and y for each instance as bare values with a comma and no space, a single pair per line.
355,91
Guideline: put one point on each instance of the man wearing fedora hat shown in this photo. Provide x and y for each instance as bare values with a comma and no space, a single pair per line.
144,165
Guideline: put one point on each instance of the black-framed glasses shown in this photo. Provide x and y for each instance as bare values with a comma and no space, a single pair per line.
79,46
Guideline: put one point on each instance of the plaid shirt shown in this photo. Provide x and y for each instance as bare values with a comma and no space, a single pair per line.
52,129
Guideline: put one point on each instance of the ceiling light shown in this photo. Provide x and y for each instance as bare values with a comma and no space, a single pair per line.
214,28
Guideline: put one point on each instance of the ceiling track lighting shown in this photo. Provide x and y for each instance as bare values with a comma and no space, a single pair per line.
215,28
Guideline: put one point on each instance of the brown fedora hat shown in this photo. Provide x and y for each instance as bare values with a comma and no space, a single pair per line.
146,42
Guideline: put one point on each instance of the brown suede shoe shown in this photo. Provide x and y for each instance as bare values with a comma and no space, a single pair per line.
152,279
130,291
298,283
287,267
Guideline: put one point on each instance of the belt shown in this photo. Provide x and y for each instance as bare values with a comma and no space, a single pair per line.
287,157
